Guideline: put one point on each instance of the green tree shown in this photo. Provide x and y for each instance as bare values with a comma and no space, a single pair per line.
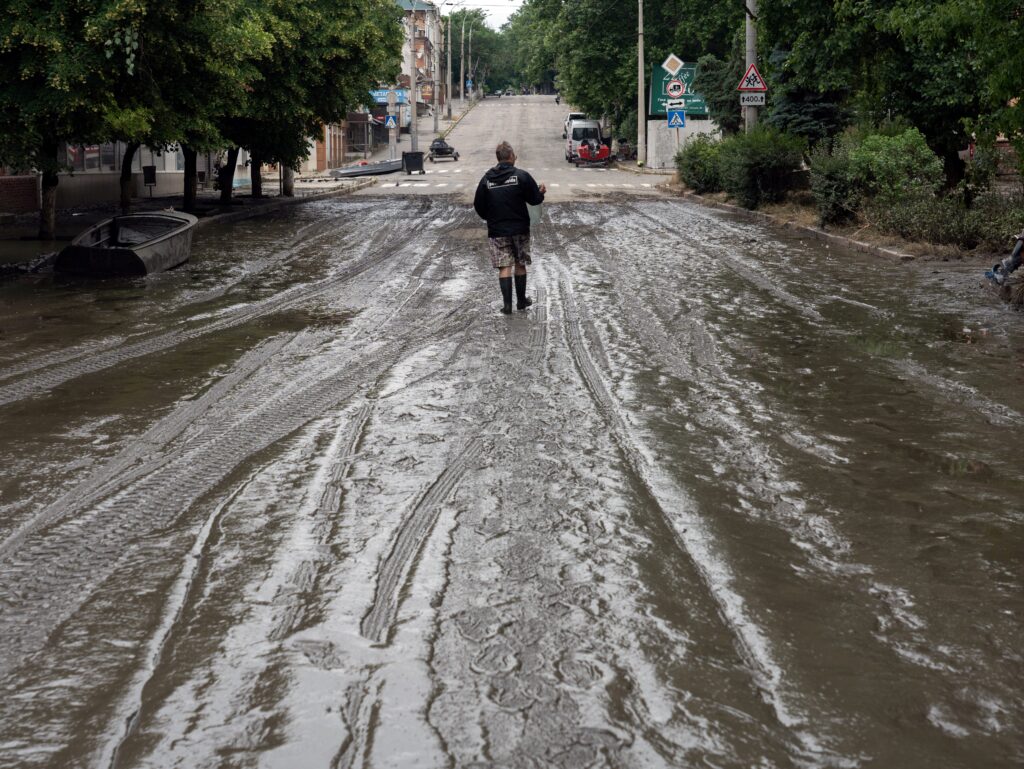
51,88
325,56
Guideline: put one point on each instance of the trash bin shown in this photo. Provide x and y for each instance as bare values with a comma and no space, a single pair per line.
412,162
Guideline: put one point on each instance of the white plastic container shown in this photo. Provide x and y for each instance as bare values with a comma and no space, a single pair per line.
536,213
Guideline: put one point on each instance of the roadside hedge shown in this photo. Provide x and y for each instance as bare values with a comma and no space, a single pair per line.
759,167
697,164
989,223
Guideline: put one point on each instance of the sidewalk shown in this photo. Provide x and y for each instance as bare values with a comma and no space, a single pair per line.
425,127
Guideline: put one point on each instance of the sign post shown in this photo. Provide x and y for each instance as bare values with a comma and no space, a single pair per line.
676,120
391,121
752,90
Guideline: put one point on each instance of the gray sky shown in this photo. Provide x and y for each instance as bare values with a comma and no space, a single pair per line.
497,11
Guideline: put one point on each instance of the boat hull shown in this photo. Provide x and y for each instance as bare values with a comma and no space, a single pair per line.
162,242
370,169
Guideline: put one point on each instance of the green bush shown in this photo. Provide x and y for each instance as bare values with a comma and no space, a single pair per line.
893,167
758,167
833,184
697,164
989,224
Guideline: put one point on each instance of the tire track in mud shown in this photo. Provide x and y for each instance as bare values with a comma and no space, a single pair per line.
383,245
412,533
248,422
289,603
143,456
694,538
180,596
958,394
716,391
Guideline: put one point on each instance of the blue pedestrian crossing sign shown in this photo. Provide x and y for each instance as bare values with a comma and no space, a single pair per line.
391,121
676,118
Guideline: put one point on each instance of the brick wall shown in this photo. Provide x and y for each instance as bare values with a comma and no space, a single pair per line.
18,194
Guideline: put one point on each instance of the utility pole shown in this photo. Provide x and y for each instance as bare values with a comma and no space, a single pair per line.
448,92
641,97
462,66
414,85
471,60
750,6
437,65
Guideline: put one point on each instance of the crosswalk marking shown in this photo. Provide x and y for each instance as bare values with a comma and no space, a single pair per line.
571,186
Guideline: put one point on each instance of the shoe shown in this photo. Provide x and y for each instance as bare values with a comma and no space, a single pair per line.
506,309
996,274
524,304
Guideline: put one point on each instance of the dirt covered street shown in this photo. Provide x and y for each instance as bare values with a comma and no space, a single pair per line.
722,497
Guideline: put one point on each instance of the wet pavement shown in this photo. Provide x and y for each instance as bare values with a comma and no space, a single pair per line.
723,497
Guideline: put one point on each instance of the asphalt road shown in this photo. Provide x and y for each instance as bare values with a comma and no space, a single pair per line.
533,126
721,497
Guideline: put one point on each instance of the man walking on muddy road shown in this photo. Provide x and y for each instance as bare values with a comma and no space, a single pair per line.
501,199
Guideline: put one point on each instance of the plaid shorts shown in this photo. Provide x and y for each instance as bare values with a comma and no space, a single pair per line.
515,249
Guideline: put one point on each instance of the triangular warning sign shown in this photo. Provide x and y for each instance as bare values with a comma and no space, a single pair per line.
676,121
752,81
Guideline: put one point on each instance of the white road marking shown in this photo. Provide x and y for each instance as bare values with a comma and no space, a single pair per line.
405,184
421,184
645,185
442,184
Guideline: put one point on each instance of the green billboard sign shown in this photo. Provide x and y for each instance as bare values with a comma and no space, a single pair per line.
676,88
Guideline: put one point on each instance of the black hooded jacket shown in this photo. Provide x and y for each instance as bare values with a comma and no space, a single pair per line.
501,199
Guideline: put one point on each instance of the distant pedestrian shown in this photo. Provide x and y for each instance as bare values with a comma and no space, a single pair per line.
501,199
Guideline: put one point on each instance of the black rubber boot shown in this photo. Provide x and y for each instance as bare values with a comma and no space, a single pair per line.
522,300
506,294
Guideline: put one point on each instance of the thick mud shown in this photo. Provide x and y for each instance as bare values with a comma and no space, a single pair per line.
720,498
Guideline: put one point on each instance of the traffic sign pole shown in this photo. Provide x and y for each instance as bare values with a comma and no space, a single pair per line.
750,112
392,119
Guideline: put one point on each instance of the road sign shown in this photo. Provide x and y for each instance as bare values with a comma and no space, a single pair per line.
672,64
752,81
752,99
685,97
676,118
391,121
380,95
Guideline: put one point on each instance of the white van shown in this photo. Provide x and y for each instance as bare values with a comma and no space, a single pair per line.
580,131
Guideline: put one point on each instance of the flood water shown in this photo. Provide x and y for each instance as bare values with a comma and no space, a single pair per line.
722,497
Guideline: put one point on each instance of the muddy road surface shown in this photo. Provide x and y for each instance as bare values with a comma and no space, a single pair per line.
720,498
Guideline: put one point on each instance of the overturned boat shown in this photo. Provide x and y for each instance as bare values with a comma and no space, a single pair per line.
372,168
134,244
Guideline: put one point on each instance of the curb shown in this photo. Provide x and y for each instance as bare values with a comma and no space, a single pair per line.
456,120
254,211
814,232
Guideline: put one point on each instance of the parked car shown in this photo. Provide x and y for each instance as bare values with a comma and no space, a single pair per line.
569,118
580,131
509,92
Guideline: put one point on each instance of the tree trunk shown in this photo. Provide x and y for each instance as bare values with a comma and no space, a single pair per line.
255,165
191,177
126,176
48,203
226,176
288,183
